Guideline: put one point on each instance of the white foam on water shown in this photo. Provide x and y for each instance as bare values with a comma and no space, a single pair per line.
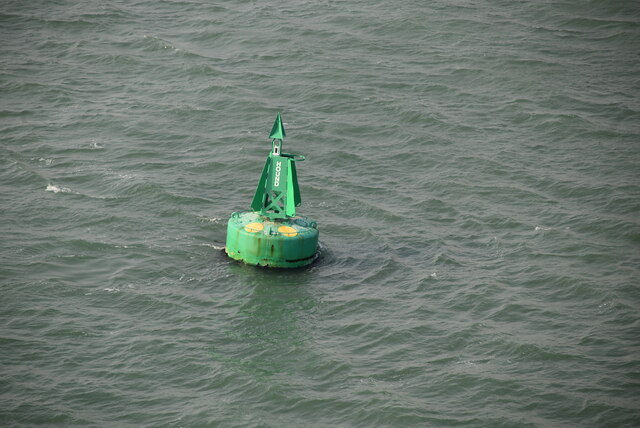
215,247
96,145
212,220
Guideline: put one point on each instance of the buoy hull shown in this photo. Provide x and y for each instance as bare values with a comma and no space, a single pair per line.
283,243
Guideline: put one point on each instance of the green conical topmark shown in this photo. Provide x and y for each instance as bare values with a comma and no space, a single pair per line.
277,131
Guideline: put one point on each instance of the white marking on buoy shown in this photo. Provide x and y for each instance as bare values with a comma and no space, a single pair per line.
276,180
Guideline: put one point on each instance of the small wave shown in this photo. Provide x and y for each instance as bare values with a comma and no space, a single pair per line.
153,43
58,189
15,113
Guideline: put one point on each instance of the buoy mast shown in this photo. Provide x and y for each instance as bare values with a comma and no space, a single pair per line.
278,194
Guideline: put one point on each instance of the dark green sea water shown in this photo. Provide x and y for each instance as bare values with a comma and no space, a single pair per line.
473,167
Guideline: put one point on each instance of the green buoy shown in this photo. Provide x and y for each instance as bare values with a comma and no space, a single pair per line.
272,234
